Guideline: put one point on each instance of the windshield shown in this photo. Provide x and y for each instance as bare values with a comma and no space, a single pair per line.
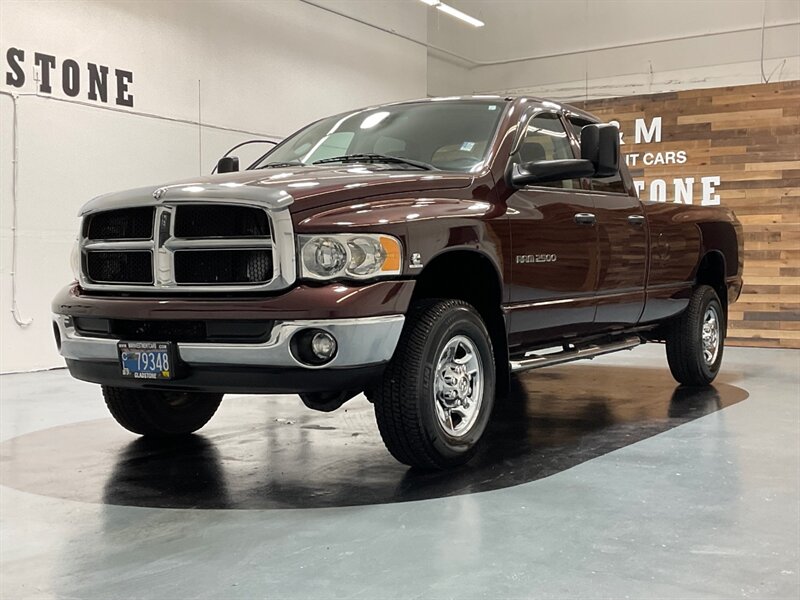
451,135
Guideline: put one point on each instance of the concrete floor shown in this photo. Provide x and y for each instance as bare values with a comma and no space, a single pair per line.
601,479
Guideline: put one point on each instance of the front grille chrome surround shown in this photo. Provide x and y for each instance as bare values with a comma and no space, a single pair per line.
270,262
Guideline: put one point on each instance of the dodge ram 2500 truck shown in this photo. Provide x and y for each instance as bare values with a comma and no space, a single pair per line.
420,252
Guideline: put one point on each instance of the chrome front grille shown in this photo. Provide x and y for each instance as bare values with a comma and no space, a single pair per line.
198,246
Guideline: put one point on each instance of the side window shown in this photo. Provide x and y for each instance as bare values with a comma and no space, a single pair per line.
546,139
575,126
604,184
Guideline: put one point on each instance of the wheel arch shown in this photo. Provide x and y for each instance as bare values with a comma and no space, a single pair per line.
712,271
453,274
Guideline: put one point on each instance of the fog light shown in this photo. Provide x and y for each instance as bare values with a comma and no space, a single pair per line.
323,345
313,347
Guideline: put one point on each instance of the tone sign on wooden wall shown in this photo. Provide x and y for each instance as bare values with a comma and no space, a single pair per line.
738,147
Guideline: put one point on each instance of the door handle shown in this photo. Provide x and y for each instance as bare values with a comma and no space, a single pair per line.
637,220
585,219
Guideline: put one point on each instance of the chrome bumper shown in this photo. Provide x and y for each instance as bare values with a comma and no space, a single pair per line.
361,342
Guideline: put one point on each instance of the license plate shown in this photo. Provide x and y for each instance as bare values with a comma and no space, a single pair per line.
146,360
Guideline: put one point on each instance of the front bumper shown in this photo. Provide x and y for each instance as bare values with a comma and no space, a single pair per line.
364,347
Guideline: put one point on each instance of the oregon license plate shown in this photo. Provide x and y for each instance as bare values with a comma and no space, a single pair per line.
146,360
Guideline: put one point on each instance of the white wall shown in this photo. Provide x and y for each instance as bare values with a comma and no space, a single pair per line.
265,68
573,49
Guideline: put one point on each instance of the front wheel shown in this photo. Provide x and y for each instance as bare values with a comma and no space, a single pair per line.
437,393
160,414
695,339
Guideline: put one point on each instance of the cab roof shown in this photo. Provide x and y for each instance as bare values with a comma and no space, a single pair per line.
512,99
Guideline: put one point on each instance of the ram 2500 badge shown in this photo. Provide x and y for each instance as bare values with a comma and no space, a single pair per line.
420,252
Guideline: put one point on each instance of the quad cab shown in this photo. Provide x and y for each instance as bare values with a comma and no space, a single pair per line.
419,252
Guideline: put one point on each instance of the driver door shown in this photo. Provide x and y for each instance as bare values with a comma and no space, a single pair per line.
554,245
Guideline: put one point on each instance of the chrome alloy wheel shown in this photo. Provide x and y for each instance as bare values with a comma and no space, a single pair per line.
711,335
458,386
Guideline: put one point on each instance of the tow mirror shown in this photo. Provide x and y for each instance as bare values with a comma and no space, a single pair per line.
600,146
543,171
228,164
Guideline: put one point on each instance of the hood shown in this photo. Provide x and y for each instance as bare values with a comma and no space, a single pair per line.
301,187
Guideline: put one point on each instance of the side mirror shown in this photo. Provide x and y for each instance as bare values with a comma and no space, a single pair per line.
228,164
600,146
543,171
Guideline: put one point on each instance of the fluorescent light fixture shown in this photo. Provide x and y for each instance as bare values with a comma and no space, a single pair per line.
454,12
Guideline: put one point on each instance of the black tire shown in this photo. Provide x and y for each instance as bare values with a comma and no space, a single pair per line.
405,399
160,414
685,350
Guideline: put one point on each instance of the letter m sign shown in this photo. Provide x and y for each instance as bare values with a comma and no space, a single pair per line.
646,134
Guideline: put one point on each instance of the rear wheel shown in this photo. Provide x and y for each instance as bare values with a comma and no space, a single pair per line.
437,393
695,339
160,414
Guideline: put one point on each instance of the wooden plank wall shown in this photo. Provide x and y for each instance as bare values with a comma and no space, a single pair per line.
748,137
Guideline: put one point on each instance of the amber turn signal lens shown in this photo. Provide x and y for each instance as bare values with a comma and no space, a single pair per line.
392,248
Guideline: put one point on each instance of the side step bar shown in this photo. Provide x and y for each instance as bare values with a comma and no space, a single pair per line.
537,361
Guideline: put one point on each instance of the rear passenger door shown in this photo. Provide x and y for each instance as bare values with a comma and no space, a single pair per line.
622,242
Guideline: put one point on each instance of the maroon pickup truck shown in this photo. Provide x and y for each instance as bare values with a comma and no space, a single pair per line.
420,252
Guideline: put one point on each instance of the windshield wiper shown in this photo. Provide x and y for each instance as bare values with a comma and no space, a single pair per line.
375,158
278,165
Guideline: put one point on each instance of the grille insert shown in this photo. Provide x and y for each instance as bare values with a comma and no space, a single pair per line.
124,224
120,267
217,220
216,267
222,331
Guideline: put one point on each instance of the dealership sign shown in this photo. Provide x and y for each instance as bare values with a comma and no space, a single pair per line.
95,82
680,190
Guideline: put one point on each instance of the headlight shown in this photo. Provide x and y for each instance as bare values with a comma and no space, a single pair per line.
75,261
351,256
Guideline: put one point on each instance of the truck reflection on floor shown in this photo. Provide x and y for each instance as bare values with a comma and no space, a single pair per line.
273,453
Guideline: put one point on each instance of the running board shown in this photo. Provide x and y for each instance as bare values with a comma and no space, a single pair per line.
537,361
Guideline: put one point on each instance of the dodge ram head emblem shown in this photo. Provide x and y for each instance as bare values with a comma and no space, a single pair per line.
159,193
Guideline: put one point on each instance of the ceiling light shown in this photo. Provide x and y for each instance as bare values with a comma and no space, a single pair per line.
454,12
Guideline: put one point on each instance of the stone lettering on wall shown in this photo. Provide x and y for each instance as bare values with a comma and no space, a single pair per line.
87,81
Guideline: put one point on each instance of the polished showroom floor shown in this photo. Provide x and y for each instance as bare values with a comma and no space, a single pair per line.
600,479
